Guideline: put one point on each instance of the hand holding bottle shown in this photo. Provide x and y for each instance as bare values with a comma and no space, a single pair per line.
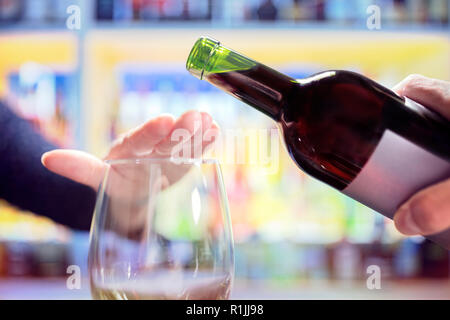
428,211
347,130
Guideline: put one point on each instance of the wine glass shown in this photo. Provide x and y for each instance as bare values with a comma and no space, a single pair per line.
161,230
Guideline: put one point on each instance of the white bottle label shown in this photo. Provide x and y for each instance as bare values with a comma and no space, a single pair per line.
396,170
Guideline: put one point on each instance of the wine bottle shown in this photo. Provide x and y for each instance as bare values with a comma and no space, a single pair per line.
340,127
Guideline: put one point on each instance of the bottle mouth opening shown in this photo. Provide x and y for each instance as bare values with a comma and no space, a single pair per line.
200,55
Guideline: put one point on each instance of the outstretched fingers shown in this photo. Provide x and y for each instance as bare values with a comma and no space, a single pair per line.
76,165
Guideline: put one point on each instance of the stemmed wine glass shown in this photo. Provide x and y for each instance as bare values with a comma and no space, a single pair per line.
161,230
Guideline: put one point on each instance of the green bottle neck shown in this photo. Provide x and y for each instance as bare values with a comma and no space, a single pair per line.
249,81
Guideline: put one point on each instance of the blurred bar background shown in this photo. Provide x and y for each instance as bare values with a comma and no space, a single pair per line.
295,237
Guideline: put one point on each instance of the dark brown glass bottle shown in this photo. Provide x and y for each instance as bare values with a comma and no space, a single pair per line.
340,127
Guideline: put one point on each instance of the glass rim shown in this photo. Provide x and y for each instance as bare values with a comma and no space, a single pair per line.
176,161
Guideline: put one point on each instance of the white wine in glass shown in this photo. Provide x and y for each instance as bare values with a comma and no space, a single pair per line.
161,230
167,286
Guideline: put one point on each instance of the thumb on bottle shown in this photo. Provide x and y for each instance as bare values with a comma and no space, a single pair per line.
427,212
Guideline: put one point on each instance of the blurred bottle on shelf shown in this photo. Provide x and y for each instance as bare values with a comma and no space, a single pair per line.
50,259
341,11
319,13
104,10
435,261
346,261
11,11
35,11
267,11
19,259
400,13
2,259
346,256
439,11
315,261
406,261
378,252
